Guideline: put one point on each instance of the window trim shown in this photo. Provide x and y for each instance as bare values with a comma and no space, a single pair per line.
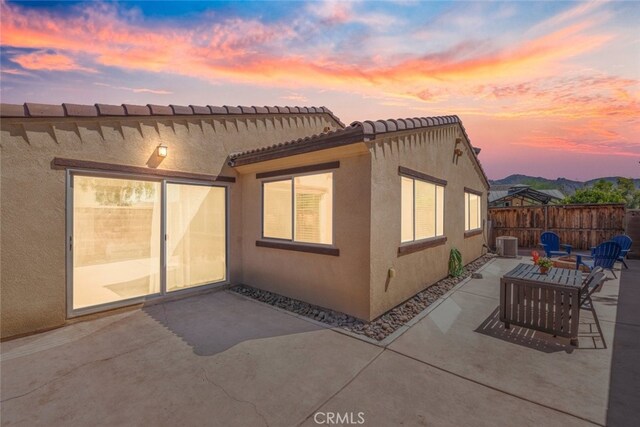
418,245
266,241
472,191
313,248
145,173
472,231
419,176
411,173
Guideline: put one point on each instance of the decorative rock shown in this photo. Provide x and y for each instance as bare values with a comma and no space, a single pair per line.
379,328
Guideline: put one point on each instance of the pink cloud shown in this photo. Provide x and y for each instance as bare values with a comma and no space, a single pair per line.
523,84
137,89
49,62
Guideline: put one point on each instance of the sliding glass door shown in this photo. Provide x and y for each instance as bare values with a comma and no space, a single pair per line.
120,227
196,249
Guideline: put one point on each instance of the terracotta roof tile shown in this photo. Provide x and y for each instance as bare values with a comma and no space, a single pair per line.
357,131
233,110
78,110
218,110
44,110
199,109
137,110
111,110
12,110
321,137
160,110
181,110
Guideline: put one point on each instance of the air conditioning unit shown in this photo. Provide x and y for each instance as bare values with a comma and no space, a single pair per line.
507,246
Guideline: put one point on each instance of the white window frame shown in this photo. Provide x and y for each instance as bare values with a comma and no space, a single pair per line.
293,208
467,212
436,205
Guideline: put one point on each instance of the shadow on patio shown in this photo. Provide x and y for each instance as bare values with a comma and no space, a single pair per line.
214,322
588,336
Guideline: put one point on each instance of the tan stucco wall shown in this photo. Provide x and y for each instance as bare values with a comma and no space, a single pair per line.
32,194
337,282
429,152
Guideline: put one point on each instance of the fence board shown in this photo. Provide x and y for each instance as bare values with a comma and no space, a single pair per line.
633,230
582,226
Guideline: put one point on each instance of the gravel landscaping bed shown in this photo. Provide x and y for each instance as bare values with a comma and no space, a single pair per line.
379,328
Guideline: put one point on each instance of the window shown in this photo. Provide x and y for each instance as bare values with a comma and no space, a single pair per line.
422,213
123,247
472,211
299,209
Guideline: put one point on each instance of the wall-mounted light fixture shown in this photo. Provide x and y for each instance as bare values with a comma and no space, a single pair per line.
457,152
162,150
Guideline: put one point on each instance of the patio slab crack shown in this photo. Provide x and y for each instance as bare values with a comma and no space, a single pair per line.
345,385
253,405
493,388
72,370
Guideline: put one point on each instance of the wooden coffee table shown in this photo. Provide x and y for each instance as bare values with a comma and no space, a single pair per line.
543,302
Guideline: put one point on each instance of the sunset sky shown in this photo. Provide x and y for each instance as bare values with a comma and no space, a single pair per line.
544,88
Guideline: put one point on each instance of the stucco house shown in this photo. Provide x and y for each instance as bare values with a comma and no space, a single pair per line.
106,206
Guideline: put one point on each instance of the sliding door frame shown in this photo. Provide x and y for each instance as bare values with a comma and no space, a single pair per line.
70,173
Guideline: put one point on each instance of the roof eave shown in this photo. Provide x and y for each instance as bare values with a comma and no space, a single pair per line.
323,142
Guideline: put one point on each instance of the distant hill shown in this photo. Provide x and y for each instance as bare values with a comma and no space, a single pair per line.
567,186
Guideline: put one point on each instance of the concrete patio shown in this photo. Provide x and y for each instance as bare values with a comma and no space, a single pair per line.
220,359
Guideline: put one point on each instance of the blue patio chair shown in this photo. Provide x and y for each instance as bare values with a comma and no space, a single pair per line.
604,255
550,242
625,243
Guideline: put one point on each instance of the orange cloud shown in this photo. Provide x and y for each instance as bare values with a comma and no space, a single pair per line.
49,62
540,76
252,51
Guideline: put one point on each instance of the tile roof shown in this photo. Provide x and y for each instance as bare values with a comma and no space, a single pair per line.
29,109
319,141
358,131
366,129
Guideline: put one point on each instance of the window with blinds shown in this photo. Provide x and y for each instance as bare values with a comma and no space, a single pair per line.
276,209
299,209
472,211
422,212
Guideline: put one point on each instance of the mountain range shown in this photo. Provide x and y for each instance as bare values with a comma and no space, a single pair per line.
567,186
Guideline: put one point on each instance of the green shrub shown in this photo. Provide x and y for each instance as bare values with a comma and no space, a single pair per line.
455,263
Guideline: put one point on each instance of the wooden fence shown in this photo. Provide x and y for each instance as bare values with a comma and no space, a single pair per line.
582,226
633,230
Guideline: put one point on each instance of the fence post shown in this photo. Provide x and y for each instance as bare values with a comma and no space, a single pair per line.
546,218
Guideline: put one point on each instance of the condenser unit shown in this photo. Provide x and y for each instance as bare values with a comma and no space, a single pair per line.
507,246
